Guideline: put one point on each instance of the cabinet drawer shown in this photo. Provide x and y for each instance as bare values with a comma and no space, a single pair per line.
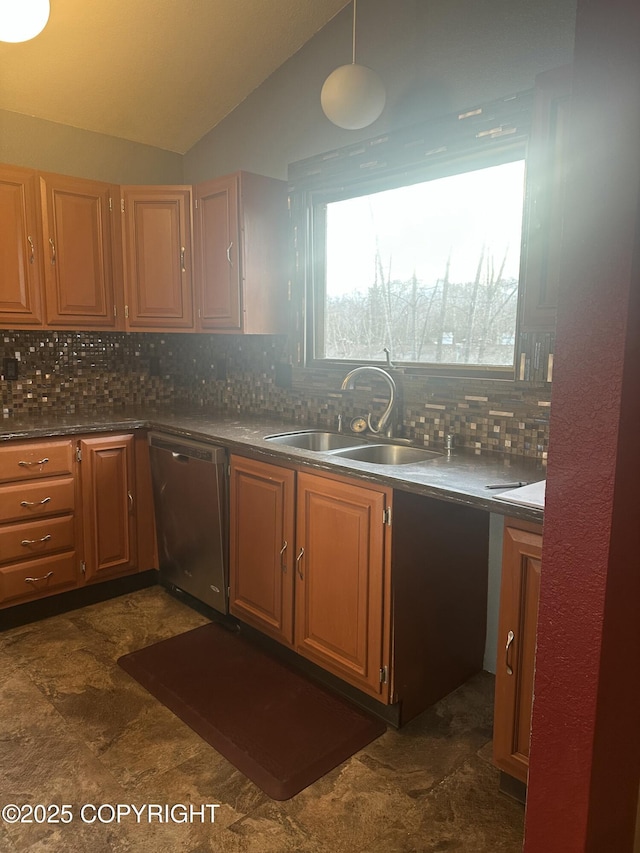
20,501
37,578
28,460
36,538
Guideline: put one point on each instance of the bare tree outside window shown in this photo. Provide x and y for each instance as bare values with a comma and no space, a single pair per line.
429,271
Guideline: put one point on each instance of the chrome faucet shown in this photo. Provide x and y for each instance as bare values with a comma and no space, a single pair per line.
348,383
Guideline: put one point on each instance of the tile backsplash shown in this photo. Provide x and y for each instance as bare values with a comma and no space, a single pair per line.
71,371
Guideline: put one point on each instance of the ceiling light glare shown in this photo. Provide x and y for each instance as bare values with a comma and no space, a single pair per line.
22,20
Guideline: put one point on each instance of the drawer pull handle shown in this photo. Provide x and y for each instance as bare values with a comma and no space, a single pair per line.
29,464
35,503
37,580
298,558
510,638
36,541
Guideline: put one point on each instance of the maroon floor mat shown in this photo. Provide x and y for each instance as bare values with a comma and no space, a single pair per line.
276,726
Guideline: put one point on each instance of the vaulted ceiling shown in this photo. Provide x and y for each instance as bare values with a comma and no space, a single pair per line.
159,72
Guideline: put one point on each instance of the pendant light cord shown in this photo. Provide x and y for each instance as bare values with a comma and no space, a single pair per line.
353,61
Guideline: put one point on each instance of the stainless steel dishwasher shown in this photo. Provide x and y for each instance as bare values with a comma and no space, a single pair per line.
190,493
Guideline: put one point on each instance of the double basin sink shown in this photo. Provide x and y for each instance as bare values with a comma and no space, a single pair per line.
352,447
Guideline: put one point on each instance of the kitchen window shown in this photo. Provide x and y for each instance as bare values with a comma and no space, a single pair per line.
415,262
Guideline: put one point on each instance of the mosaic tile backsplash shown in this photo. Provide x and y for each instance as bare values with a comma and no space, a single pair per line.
72,371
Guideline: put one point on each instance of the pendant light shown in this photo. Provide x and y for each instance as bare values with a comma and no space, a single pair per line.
353,96
22,20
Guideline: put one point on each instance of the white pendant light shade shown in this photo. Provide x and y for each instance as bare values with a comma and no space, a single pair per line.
21,20
353,96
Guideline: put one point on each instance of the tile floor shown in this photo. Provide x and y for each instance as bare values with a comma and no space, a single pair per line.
76,729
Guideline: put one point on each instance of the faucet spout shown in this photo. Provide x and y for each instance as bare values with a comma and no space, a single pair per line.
348,383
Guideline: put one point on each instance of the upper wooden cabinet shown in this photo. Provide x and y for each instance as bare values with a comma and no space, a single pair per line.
156,238
78,258
20,249
240,254
67,263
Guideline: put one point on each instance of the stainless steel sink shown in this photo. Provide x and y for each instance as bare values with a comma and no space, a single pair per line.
351,447
316,440
388,454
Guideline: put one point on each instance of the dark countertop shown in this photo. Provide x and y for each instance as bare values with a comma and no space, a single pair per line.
459,478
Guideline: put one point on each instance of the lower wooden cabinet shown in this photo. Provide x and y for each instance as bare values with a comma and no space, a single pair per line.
38,501
73,511
261,546
519,594
107,483
342,570
393,606
31,579
319,585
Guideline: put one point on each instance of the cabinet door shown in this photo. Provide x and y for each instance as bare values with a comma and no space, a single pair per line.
261,546
218,257
340,580
79,277
107,476
519,593
157,257
20,249
241,249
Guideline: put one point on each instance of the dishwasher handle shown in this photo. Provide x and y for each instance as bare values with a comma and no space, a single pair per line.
184,449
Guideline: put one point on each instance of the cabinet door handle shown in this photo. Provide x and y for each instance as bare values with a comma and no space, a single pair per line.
26,542
29,464
510,638
35,503
36,580
229,247
130,496
53,251
283,562
298,558
32,251
182,266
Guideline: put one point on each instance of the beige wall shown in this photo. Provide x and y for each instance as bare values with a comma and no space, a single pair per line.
39,144
435,56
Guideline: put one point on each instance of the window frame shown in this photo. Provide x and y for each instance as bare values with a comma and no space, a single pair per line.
485,136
